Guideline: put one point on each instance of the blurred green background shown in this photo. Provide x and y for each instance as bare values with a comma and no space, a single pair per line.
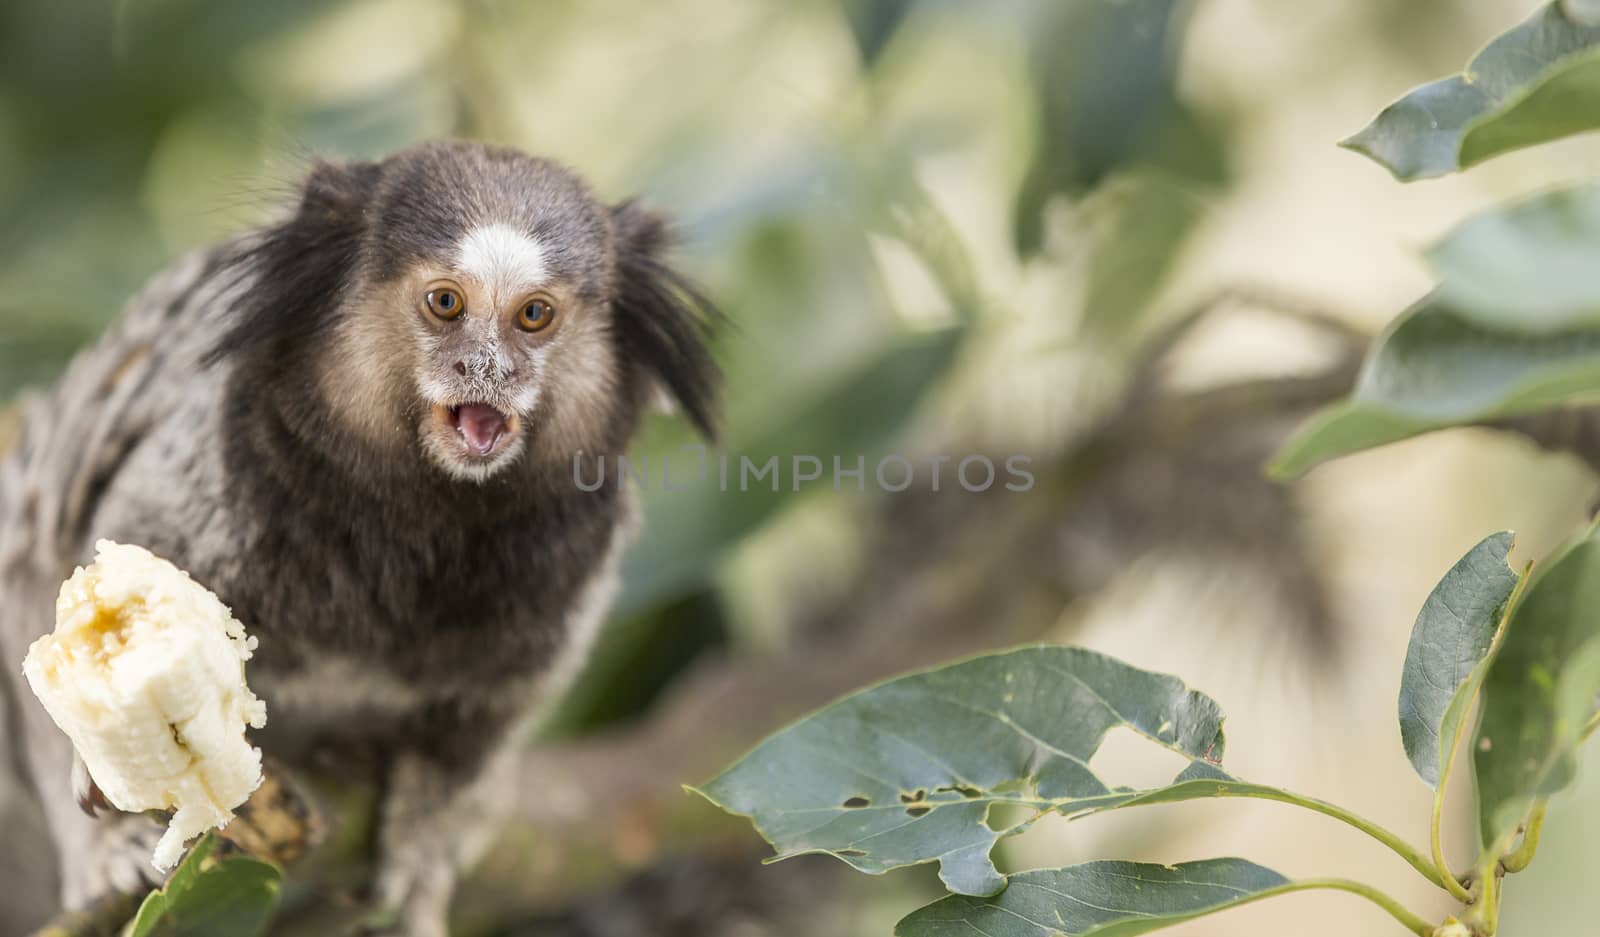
937,227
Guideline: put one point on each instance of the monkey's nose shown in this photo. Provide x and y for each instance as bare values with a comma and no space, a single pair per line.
489,369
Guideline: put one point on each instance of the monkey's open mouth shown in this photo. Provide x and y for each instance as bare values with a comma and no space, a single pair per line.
483,429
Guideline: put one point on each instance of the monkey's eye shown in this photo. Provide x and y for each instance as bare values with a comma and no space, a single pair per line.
536,314
446,302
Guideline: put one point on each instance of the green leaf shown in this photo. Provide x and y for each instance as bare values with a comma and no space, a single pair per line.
1513,327
1561,104
1104,899
1526,266
233,897
1435,367
179,882
1538,82
1540,690
1137,226
906,772
1339,430
1125,51
1452,635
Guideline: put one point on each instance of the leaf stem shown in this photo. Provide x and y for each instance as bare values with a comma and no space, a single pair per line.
1230,787
1437,874
1484,915
1449,881
1398,911
1518,860
1436,820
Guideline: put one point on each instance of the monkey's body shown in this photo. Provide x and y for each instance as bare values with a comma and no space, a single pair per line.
244,420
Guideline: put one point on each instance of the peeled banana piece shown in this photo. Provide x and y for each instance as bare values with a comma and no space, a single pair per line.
145,673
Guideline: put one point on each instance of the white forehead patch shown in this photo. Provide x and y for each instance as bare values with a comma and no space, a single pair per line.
503,259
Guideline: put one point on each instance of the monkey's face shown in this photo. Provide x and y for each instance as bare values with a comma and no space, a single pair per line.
484,310
503,342
483,335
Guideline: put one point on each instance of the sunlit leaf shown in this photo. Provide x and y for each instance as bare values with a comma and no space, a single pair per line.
205,897
1452,635
1104,899
906,772
1540,691
1540,81
1435,367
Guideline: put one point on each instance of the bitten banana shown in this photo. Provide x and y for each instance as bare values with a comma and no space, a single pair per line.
145,673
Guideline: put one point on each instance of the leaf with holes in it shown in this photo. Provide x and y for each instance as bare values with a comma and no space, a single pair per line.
1540,691
906,772
1450,639
1435,367
1103,899
1538,82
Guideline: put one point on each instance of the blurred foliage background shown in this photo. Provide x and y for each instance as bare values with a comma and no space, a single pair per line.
937,227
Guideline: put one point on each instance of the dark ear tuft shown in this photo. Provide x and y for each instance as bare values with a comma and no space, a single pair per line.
299,270
664,322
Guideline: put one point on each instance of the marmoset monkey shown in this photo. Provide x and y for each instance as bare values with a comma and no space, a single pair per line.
358,427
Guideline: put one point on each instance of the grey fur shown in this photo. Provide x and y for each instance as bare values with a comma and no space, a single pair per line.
253,416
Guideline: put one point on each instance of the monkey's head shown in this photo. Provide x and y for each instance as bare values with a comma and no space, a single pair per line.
472,307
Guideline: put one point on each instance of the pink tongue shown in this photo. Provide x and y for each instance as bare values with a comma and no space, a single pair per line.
480,426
